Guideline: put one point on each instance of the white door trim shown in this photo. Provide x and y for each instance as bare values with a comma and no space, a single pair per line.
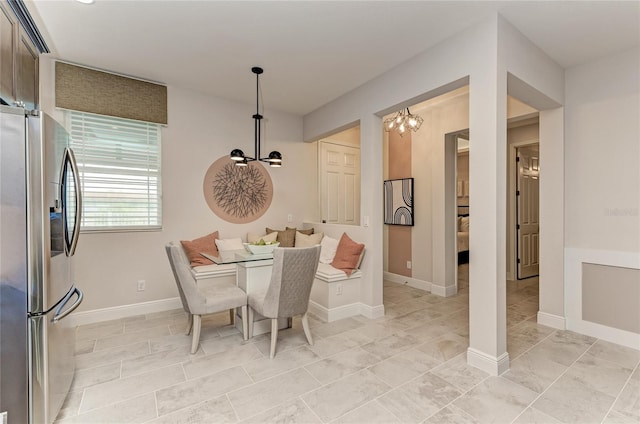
343,208
511,205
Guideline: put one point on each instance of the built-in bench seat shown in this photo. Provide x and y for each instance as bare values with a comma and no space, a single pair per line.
329,274
335,295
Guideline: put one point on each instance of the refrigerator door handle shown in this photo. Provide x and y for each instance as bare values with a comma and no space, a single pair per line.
70,160
76,177
59,314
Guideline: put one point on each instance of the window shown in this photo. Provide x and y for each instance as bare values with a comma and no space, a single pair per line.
119,166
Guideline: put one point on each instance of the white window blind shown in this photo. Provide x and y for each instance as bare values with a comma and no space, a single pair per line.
119,165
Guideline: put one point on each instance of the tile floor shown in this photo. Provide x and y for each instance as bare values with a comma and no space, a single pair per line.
408,367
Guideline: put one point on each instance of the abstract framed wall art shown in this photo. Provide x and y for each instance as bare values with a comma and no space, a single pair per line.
237,194
398,202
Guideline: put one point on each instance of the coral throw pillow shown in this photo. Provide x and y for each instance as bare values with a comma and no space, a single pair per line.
194,248
347,254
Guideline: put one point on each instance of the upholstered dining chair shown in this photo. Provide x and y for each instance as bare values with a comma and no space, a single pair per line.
294,270
197,301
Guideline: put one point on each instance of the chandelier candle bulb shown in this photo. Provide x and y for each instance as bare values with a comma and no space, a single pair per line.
401,120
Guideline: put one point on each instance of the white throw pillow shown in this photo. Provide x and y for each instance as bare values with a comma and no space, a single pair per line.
303,240
230,244
328,247
254,238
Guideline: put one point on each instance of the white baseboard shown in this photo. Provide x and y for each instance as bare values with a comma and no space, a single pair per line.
372,312
117,312
443,291
551,320
346,311
319,311
421,284
487,363
411,282
609,334
334,314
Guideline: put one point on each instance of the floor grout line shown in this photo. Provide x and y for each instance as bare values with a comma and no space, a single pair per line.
155,397
233,408
530,405
624,386
309,407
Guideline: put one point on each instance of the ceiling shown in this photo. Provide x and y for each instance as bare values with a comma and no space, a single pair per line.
312,51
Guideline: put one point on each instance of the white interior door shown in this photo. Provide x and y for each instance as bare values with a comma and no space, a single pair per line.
528,225
339,183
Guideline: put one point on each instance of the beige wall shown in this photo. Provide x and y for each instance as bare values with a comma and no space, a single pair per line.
611,296
349,137
201,129
399,237
602,153
602,197
552,284
447,116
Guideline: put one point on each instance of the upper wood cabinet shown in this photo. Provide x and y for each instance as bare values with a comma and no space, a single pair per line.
19,62
27,72
8,34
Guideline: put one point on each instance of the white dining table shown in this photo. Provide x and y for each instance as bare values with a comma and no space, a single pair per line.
253,274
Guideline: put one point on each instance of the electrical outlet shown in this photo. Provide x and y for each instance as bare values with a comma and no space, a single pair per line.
338,289
290,218
141,285
408,264
5,417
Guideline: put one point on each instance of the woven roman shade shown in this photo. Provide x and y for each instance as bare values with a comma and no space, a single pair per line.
103,93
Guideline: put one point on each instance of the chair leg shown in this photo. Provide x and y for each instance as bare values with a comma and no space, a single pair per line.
250,319
245,323
197,322
305,326
232,316
274,337
189,324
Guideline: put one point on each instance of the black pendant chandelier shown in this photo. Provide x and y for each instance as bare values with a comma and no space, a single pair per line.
275,158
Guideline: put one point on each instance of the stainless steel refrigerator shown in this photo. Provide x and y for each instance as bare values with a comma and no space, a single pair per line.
40,204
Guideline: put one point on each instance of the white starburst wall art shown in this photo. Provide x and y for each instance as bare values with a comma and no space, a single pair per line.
237,194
